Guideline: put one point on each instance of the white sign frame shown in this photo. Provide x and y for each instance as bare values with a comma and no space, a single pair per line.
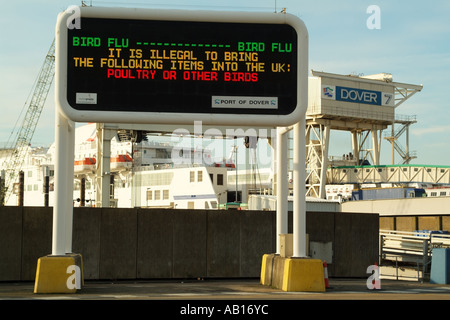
64,22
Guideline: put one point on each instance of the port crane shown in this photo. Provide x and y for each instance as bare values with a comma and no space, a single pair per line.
14,162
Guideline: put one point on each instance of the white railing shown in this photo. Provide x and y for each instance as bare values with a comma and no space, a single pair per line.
389,174
406,248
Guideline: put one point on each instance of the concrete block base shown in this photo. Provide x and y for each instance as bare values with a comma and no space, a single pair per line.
292,274
59,274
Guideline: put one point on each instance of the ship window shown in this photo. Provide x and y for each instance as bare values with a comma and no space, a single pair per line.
433,194
161,153
443,193
192,176
157,179
220,179
149,195
157,194
165,194
199,176
191,205
211,176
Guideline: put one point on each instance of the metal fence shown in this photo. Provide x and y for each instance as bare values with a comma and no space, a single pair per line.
403,251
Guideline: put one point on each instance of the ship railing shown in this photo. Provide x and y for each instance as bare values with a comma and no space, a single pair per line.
260,191
333,111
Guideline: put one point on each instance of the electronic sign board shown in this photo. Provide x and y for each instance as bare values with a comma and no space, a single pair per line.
178,66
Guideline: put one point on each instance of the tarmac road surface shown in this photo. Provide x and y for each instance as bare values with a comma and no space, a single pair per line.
354,289
248,297
230,289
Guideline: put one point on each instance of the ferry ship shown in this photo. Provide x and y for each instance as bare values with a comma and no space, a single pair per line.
143,174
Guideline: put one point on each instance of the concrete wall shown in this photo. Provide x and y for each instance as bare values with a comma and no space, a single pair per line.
164,243
11,243
25,235
353,237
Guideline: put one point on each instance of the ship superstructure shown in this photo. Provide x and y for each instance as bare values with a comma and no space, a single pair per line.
141,175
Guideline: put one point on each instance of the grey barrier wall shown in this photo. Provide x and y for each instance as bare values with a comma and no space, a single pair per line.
163,243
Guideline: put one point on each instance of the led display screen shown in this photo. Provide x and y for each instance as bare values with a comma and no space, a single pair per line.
182,67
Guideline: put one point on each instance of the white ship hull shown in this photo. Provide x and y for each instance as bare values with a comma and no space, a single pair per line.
144,175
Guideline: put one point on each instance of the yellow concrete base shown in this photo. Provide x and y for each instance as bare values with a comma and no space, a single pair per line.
266,270
59,274
293,274
303,275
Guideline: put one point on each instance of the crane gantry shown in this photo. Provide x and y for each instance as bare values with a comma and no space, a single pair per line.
14,162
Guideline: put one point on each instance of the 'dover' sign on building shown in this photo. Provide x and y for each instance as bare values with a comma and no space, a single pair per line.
162,66
351,97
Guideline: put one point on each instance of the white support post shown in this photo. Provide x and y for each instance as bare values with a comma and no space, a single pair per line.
103,173
282,186
299,203
62,213
355,146
324,162
69,182
105,166
408,157
375,147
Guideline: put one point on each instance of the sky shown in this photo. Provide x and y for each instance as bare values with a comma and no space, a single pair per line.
412,43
